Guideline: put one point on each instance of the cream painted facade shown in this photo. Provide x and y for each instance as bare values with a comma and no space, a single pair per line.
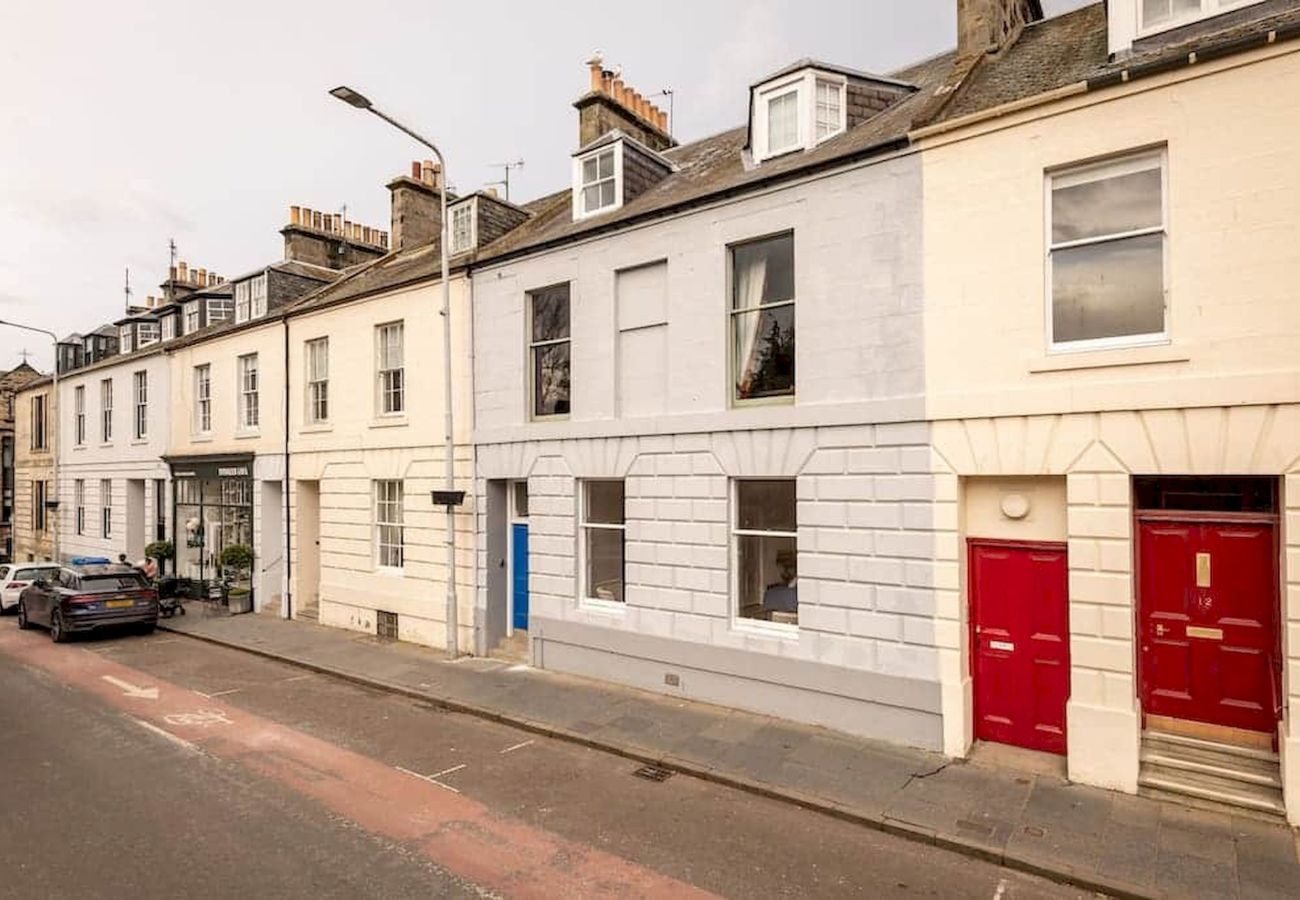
335,466
225,438
131,463
1219,397
33,534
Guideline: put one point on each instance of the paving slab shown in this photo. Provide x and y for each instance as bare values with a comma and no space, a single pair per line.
1028,819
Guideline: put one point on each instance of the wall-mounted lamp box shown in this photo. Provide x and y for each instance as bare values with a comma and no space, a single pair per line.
448,498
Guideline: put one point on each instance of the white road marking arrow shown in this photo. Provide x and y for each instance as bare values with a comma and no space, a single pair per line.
149,693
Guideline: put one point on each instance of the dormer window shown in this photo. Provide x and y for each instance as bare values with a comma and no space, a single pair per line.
783,122
250,300
124,339
596,187
191,317
830,109
148,333
1159,15
168,327
462,227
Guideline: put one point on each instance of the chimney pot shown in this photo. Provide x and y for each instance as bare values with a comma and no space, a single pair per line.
415,169
203,277
295,215
183,270
597,73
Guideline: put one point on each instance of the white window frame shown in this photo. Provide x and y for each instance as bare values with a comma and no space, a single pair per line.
1209,9
257,296
79,415
247,373
106,507
220,309
140,395
803,84
467,240
124,339
840,85
798,142
733,364
389,512
243,301
585,593
148,333
203,399
168,323
79,504
193,318
318,380
384,372
106,411
580,210
779,629
1097,171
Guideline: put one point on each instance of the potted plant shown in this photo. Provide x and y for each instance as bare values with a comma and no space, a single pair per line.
238,559
161,551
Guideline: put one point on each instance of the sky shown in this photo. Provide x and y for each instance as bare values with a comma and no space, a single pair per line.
128,124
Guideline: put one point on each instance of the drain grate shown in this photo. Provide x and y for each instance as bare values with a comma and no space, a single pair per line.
653,773
386,625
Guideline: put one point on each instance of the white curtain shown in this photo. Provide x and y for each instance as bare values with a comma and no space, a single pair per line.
751,280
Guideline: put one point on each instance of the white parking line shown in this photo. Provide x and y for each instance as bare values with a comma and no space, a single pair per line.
218,693
300,677
515,747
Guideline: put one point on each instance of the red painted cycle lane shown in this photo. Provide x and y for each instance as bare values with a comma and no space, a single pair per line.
453,830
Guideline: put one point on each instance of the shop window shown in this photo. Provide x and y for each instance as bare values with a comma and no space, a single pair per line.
603,532
765,540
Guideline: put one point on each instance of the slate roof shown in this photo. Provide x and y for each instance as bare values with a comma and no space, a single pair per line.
1050,54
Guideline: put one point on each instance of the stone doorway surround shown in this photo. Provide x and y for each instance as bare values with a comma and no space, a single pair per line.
1098,453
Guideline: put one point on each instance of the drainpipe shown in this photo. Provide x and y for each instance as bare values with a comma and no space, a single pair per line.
286,607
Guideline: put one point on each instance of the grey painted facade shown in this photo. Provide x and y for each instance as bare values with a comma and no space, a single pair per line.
862,657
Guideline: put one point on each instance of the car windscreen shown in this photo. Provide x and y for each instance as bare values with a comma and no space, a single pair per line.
103,584
47,573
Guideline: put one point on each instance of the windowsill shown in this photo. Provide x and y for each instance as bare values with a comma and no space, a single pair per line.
78,447
762,628
316,428
389,422
106,445
136,442
247,435
1137,355
559,417
604,607
201,439
390,572
783,400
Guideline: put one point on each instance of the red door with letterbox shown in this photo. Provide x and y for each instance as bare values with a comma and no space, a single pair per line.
1207,601
1020,642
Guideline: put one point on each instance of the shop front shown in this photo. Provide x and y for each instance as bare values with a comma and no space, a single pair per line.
212,512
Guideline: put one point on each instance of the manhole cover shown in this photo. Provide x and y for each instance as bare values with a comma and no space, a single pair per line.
653,773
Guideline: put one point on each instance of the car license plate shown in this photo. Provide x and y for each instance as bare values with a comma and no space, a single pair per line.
118,604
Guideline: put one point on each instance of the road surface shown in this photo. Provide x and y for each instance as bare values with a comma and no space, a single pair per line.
162,766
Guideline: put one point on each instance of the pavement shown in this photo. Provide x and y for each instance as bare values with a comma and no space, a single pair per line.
1026,818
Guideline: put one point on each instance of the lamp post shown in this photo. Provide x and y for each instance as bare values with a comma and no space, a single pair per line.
54,449
354,98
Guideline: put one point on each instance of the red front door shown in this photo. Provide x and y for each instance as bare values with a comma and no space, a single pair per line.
1021,642
1207,600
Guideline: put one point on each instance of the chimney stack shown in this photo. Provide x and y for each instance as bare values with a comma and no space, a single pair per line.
612,105
987,26
325,239
416,205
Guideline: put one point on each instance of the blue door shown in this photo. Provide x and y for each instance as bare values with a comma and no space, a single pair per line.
519,576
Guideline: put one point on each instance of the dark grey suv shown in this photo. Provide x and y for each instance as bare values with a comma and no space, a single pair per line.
88,597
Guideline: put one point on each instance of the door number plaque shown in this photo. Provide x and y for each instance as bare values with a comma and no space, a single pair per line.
1002,645
1202,570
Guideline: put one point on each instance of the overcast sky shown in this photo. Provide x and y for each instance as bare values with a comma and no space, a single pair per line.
128,123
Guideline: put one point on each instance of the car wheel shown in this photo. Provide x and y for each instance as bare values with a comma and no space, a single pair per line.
57,632
22,617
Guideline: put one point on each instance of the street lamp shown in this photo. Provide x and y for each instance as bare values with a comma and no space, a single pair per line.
448,495
50,415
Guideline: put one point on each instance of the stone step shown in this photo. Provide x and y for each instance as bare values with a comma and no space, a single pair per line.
1246,769
310,613
1167,740
1225,791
